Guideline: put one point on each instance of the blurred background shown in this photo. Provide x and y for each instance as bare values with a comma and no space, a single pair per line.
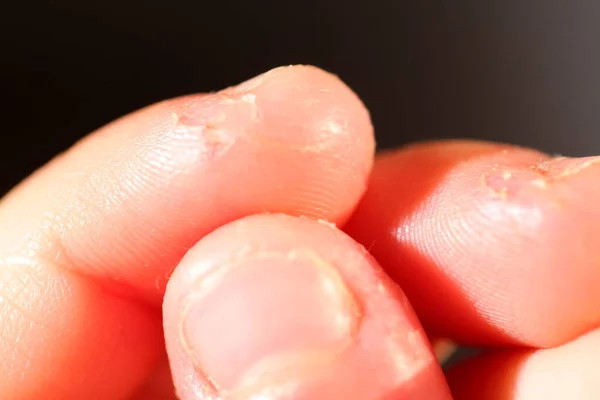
520,72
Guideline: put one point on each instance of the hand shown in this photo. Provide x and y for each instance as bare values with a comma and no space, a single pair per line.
494,245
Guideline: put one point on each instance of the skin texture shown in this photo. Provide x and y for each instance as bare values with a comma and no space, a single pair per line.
354,322
477,231
209,223
89,241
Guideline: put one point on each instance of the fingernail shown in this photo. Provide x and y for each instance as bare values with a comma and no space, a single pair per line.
256,81
565,166
225,111
268,317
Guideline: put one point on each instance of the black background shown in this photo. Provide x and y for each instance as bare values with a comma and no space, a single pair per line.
525,72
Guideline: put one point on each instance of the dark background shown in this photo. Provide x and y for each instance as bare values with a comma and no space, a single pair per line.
525,72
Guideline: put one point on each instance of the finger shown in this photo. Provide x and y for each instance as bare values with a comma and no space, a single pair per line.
157,386
566,372
130,200
86,243
493,244
280,307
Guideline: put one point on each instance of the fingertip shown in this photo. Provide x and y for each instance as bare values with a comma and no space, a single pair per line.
328,129
279,306
310,115
564,372
492,243
311,133
128,201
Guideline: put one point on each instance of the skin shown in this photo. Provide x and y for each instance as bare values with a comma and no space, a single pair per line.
248,244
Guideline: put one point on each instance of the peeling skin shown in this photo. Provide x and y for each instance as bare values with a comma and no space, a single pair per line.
216,130
583,164
216,139
541,175
196,113
246,98
503,183
543,167
496,189
560,167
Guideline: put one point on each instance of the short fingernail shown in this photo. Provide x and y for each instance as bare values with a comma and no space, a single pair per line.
215,112
267,317
256,81
564,166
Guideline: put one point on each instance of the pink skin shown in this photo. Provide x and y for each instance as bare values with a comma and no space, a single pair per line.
492,244
289,308
87,243
505,235
294,140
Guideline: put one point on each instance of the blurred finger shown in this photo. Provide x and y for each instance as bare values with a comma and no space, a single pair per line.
285,308
157,386
492,243
566,372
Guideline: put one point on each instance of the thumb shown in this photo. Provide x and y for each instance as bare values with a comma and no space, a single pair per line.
277,307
